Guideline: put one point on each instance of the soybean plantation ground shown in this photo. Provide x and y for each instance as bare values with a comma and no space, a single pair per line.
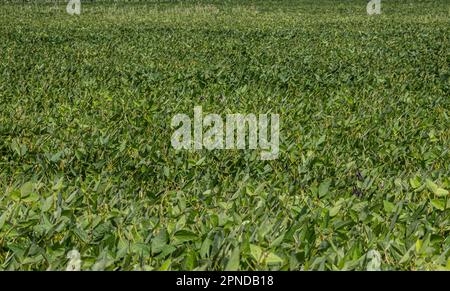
86,161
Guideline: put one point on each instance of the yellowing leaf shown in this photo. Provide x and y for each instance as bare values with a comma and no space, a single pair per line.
418,245
388,206
256,252
273,259
440,192
439,204
414,182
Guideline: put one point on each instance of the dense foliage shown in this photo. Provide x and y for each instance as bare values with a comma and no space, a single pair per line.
86,162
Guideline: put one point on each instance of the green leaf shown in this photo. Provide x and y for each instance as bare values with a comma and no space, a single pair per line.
233,262
335,210
141,248
47,204
324,187
405,258
200,162
3,219
276,242
166,265
189,261
321,140
159,241
204,249
32,197
26,189
167,250
56,157
15,195
32,260
388,206
414,182
440,192
185,235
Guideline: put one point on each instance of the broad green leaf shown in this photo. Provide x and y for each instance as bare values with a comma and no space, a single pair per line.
204,250
185,235
32,197
324,187
26,189
167,250
276,242
233,262
141,249
47,204
159,241
388,206
335,210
